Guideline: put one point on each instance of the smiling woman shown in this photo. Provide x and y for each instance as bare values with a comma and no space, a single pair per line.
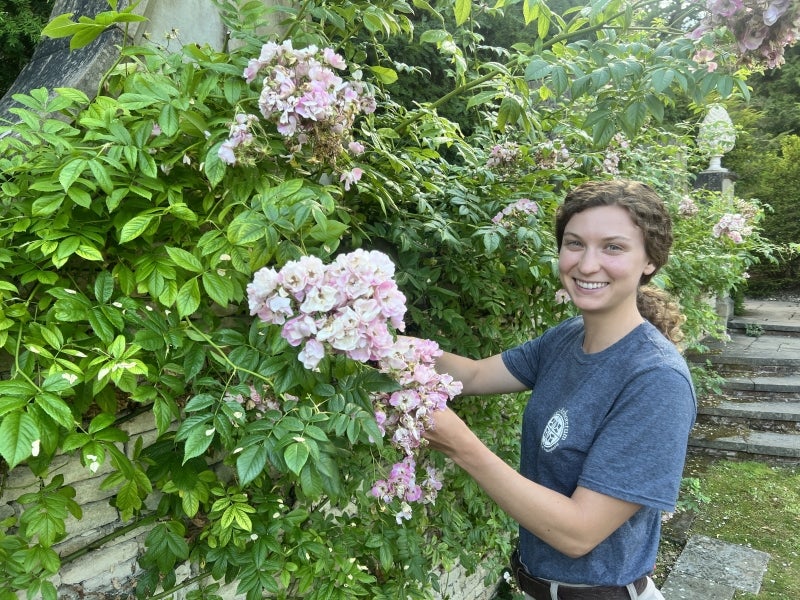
604,433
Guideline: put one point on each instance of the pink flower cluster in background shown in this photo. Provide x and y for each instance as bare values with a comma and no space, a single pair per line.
687,207
307,101
503,155
352,306
346,306
762,28
733,226
522,207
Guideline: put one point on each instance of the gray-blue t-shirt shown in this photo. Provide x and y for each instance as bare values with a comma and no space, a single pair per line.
616,422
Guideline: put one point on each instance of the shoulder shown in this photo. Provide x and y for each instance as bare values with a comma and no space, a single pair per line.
656,362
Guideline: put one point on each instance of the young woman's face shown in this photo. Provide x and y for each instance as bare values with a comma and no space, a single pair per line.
602,258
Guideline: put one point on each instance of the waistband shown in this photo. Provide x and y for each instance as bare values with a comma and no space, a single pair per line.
539,589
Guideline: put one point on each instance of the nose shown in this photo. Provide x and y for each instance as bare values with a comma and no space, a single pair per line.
588,262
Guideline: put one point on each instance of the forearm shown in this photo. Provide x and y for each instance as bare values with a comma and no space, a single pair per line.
571,525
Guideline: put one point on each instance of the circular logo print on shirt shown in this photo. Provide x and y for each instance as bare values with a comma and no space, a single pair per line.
555,430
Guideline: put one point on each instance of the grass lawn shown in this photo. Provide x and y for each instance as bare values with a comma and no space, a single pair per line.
755,505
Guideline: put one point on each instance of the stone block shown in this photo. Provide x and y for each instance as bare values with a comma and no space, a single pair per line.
109,562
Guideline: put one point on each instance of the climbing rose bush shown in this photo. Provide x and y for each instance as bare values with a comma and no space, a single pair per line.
406,414
732,226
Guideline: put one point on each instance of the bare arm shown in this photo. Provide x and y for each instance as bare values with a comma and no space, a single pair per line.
573,525
485,376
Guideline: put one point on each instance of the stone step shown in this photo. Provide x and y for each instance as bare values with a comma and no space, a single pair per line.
768,317
736,443
779,417
742,355
781,388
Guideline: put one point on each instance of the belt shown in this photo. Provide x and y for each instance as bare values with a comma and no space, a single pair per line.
539,589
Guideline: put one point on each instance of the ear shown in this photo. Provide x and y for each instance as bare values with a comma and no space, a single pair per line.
649,269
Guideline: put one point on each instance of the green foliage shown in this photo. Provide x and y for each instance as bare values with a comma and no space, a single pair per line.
128,244
85,30
774,174
21,23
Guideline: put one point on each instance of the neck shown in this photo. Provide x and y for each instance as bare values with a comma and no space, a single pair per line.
602,331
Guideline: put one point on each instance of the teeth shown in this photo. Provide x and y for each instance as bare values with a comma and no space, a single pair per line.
589,285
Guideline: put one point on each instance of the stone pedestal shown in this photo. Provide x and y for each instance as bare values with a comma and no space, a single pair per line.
717,180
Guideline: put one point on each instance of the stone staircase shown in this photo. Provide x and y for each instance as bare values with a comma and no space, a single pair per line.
757,415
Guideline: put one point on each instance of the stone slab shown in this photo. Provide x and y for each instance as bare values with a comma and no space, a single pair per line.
680,586
733,565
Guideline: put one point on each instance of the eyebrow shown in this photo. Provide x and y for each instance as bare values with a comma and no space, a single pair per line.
610,238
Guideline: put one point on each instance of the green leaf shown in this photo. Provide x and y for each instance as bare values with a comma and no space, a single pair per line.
61,26
56,409
245,229
662,79
85,36
100,422
135,227
296,455
18,431
198,440
188,300
168,120
537,69
184,259
462,10
103,287
70,172
633,118
213,165
558,76
384,74
220,289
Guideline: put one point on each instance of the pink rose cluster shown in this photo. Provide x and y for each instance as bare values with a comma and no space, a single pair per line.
407,413
522,207
762,28
733,226
347,306
305,98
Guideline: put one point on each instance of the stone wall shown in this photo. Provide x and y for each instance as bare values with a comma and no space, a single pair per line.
93,568
100,566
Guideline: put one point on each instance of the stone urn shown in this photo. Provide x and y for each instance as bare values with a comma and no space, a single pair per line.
716,137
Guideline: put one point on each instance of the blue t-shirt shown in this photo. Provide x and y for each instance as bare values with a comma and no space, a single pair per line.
616,422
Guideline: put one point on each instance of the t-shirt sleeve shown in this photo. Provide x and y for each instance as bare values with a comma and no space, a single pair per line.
640,449
522,362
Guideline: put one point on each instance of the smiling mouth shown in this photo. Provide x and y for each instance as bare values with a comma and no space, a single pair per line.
590,285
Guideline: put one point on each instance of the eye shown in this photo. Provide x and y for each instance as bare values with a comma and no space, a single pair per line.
573,244
614,248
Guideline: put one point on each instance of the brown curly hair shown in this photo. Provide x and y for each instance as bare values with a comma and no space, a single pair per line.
648,212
